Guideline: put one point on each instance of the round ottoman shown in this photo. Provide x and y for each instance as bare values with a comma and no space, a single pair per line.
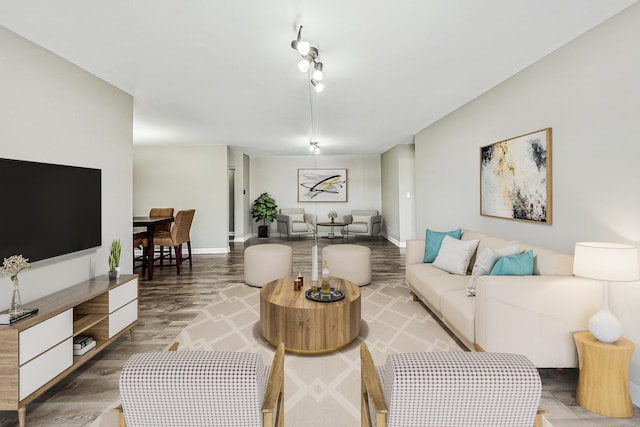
266,262
351,262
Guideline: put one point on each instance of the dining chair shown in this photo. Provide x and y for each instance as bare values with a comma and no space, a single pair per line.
140,239
175,238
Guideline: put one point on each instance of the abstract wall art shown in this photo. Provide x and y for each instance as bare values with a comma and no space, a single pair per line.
322,185
515,178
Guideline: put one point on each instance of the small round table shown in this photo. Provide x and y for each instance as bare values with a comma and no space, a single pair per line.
331,234
305,326
603,381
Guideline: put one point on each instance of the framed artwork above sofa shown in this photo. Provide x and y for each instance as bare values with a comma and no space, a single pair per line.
322,185
515,178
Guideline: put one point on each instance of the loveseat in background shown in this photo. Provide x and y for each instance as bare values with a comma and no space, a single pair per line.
532,315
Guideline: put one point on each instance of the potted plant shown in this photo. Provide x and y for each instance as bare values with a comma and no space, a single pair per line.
114,259
264,209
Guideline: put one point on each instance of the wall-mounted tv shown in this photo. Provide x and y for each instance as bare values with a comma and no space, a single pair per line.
48,210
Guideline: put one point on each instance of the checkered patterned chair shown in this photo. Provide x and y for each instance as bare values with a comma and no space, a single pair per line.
449,389
202,388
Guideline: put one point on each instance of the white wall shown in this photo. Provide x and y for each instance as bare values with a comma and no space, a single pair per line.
278,176
588,92
186,177
398,193
55,112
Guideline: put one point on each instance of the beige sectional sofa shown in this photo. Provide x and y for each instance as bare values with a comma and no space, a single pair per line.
531,315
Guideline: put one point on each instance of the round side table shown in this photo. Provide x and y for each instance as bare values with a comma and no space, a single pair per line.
603,381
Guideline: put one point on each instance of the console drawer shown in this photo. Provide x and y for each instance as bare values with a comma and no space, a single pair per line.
122,295
41,337
45,367
123,317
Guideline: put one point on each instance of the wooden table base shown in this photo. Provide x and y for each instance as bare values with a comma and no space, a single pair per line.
305,326
603,382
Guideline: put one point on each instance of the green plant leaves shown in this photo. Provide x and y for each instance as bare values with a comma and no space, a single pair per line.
264,208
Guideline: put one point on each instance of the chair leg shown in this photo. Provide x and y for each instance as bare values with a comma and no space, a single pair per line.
189,249
144,261
178,250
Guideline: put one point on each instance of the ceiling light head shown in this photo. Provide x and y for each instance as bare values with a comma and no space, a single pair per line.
319,86
317,72
314,147
305,63
302,46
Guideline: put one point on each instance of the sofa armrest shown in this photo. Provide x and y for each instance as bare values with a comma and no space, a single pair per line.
282,218
347,219
533,314
414,252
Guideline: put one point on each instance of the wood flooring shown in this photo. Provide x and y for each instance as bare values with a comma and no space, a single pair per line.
169,302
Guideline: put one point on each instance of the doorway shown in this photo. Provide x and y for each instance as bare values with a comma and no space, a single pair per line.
231,174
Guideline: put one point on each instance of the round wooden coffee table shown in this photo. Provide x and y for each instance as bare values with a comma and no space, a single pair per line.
306,326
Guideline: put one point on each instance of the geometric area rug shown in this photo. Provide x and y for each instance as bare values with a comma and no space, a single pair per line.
322,390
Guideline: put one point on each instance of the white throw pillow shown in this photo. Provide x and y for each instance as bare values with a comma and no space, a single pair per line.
485,262
296,217
361,218
454,255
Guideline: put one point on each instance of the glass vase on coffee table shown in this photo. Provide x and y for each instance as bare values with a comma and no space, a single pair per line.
314,257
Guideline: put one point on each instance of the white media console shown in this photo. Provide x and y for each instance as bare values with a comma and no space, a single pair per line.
37,352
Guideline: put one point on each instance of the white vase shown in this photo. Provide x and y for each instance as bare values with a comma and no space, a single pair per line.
314,264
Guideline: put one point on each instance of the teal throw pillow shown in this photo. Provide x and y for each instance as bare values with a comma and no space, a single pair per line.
433,241
514,265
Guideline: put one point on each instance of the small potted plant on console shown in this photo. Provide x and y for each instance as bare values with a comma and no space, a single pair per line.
114,259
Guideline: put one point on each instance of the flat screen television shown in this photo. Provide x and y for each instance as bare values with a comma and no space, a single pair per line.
48,210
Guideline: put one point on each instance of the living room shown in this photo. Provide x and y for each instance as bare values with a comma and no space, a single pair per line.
586,91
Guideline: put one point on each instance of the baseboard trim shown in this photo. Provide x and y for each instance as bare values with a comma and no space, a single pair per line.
207,251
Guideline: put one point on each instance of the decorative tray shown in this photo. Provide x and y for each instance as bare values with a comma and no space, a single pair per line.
333,295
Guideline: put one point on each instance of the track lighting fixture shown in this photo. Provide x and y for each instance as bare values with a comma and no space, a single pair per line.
311,65
314,147
309,61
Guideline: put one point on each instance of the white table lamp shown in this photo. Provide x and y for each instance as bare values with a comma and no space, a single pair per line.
609,262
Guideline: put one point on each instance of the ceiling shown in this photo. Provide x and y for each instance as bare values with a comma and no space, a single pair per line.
223,72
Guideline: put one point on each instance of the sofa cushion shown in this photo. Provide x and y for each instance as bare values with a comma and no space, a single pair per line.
299,227
433,241
485,262
459,312
430,283
358,227
514,265
297,217
361,218
454,255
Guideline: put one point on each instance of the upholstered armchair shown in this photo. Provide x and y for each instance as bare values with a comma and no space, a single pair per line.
292,221
362,223
202,388
462,389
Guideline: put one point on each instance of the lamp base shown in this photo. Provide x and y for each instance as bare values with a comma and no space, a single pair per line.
605,327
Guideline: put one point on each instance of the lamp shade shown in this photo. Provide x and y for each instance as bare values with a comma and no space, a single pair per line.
606,261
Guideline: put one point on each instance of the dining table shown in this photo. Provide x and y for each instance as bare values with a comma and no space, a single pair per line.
150,222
